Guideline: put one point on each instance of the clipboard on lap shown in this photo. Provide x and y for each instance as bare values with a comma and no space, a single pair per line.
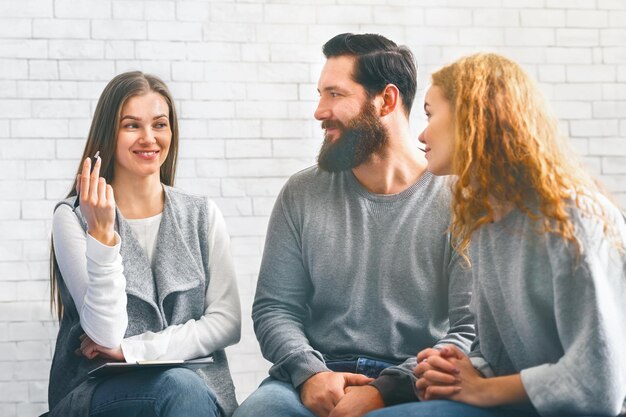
114,368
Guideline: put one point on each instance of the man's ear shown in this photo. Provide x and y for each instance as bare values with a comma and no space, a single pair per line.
391,99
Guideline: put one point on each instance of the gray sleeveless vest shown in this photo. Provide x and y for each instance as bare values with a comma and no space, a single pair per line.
170,291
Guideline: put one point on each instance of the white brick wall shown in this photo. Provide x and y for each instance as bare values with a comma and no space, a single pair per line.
244,75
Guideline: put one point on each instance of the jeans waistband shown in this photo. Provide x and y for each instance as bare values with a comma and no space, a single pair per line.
365,366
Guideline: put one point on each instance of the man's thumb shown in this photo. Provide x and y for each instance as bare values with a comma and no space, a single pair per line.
356,379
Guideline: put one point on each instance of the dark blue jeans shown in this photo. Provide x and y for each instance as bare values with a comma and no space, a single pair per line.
441,408
154,393
276,398
365,366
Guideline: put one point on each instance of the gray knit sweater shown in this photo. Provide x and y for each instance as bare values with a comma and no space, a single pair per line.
347,273
562,324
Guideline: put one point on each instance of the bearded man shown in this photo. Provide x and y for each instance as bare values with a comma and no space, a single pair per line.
358,272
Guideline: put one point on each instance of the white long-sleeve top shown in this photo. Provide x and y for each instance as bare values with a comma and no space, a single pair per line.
94,276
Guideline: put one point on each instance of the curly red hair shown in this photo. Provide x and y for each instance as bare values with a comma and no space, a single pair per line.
507,148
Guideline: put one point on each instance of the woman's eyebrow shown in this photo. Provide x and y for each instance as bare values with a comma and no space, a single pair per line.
128,116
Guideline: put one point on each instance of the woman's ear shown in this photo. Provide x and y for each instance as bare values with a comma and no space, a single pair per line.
390,97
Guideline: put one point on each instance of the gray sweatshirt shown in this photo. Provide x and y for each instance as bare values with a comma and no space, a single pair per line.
561,323
347,273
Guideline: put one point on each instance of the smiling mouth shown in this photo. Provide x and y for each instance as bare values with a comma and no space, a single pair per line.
147,155
331,133
330,126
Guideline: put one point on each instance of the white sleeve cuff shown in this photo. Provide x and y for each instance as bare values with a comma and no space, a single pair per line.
100,253
482,366
129,350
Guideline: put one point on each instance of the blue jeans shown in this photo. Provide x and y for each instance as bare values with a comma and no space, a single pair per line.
365,366
154,393
275,398
441,408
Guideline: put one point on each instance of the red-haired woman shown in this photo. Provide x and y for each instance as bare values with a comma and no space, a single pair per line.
546,249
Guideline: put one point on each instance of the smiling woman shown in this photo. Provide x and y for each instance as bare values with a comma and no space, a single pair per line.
144,134
143,142
130,269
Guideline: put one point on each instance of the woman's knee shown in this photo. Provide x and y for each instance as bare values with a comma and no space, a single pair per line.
183,392
182,378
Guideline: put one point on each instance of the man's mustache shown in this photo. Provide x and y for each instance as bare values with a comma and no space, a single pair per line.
332,124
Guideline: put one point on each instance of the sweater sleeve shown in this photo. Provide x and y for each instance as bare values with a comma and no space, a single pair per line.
479,361
279,308
94,276
397,383
220,326
461,330
590,377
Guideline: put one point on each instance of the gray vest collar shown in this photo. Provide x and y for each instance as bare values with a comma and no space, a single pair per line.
175,269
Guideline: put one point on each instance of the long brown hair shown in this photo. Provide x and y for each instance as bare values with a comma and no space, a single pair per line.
507,146
103,137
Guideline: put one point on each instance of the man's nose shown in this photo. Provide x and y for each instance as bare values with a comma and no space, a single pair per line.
322,112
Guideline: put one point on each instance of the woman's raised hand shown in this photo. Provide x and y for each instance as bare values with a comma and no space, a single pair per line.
97,203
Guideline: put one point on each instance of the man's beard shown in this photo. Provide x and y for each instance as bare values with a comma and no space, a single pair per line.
363,136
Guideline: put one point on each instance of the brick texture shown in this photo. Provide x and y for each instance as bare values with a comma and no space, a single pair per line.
244,77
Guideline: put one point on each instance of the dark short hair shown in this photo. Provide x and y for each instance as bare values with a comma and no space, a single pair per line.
379,62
